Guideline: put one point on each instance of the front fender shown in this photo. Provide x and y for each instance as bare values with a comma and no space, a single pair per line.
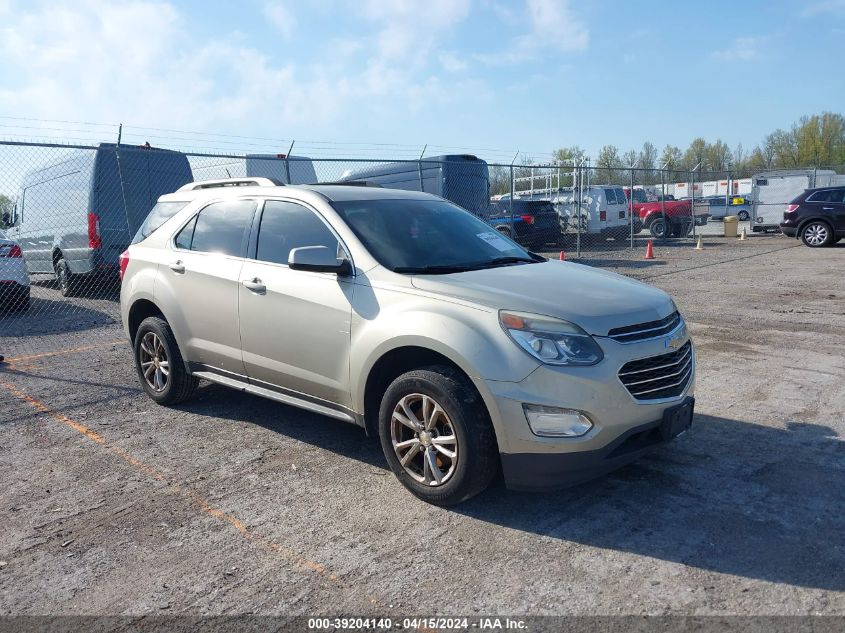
469,337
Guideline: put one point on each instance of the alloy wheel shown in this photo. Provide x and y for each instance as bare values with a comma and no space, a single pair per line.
424,439
816,234
155,364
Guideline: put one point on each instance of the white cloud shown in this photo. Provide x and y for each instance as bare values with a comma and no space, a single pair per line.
452,62
826,7
553,28
139,62
741,49
280,17
408,28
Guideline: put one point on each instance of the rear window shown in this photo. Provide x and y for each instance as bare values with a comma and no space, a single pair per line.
157,216
610,195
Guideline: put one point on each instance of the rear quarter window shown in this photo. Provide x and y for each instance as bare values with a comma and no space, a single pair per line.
157,216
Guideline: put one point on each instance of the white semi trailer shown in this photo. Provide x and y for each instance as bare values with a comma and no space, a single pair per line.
773,190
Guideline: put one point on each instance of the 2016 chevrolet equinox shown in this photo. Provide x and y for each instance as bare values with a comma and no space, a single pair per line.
410,317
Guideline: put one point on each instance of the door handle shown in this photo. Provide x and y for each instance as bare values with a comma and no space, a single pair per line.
177,266
827,208
255,285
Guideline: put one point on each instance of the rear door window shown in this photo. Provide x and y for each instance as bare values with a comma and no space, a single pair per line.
287,225
819,196
219,228
610,196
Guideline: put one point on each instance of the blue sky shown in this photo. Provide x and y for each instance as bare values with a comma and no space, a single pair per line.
385,77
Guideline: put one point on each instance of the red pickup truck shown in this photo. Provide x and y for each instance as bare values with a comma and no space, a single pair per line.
664,219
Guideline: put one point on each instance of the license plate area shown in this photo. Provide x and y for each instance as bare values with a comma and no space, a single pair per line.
677,419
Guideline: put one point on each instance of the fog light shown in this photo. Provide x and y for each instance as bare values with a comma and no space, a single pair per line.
556,422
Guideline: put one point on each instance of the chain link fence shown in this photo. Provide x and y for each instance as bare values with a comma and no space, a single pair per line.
68,211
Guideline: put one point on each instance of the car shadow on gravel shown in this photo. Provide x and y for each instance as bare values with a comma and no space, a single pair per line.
729,497
48,316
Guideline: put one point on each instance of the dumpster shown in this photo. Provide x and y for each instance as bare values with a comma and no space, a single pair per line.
731,225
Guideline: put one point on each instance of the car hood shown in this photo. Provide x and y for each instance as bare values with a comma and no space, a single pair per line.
596,300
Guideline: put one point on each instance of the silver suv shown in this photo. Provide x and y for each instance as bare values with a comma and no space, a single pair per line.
404,314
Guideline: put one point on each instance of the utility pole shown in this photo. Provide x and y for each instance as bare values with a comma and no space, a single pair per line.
631,214
692,197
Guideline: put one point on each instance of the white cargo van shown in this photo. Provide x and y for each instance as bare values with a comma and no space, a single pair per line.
603,209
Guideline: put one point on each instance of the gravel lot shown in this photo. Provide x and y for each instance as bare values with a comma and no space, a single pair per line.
232,504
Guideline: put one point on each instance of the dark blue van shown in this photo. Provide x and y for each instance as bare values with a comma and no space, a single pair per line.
460,178
76,216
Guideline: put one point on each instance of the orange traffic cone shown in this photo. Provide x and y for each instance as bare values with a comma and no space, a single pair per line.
562,256
649,251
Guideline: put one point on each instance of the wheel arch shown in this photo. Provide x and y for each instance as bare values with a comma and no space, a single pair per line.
141,309
810,220
389,366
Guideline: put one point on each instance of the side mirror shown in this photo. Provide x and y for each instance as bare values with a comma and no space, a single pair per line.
318,259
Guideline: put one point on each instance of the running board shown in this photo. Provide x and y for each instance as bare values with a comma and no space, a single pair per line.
277,396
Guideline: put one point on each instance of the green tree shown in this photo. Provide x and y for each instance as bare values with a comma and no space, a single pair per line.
820,139
783,147
671,157
608,165
717,156
696,154
569,155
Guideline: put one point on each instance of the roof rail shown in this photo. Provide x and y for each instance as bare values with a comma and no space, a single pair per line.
230,182
351,183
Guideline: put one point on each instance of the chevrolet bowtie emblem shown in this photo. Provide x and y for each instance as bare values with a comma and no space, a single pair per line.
676,341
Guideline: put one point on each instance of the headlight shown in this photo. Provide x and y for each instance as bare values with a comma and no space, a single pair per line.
549,340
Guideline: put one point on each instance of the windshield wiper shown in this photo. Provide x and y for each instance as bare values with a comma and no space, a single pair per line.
501,261
430,270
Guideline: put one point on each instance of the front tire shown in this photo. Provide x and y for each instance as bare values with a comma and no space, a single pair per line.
816,234
437,436
743,216
159,363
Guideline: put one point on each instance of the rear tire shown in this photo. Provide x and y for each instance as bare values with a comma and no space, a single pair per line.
743,216
816,234
159,363
68,284
658,229
447,416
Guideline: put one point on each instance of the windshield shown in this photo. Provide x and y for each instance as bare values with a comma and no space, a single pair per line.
428,236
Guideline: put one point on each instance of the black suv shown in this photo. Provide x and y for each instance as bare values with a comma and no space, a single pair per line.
817,216
533,223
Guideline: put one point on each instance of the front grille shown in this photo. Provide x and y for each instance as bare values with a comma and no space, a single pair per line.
664,376
642,331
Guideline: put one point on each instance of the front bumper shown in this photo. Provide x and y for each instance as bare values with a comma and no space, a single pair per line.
530,461
550,471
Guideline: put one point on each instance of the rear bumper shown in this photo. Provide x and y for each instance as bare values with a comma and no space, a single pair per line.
789,231
550,471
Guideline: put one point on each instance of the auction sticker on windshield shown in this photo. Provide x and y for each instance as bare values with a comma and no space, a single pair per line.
496,241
